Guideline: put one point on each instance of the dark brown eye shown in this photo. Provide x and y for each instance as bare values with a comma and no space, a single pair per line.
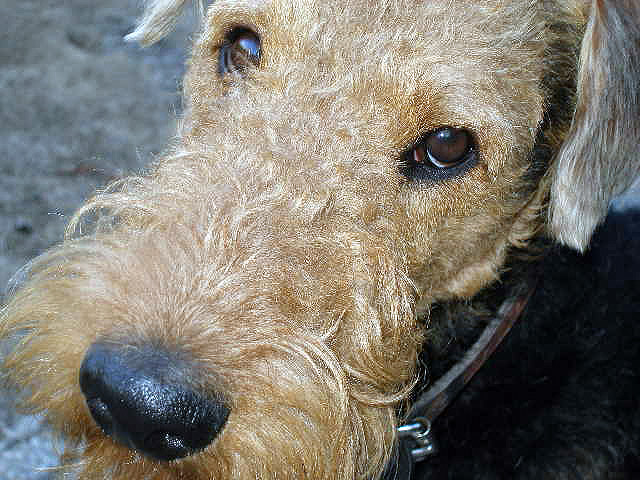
444,148
240,50
441,154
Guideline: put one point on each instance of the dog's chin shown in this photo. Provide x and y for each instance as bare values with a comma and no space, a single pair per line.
259,447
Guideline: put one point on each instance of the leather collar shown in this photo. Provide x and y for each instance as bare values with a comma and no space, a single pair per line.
415,442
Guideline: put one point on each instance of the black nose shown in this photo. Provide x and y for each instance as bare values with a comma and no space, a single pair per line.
144,398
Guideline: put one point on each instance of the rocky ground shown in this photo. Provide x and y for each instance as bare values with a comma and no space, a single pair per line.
78,107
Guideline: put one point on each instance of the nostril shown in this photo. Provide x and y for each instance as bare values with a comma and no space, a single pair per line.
142,397
101,414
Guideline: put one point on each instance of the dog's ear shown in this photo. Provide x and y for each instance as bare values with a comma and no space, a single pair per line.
601,156
159,18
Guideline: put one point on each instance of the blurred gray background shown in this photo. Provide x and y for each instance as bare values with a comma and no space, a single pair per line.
78,107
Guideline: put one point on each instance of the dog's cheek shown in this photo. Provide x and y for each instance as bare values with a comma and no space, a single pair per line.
458,234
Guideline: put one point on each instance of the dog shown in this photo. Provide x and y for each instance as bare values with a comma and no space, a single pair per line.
353,189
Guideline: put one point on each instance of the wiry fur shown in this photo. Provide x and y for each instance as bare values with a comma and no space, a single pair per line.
278,245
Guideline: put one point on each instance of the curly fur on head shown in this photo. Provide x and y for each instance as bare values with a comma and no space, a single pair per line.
593,165
279,247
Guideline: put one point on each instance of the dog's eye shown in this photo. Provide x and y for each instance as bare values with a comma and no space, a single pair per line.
240,50
444,148
440,154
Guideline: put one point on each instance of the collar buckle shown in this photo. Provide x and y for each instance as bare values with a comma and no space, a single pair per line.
419,432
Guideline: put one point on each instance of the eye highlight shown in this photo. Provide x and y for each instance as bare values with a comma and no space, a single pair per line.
440,154
240,50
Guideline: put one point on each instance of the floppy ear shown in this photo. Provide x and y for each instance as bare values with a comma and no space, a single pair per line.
601,156
158,20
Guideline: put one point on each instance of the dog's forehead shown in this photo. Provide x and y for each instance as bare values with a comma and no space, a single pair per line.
453,19
457,41
460,62
452,42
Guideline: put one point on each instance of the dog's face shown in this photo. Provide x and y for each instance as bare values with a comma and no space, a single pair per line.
416,119
339,164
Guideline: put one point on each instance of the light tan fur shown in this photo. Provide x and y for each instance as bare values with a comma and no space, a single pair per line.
159,19
277,241
599,159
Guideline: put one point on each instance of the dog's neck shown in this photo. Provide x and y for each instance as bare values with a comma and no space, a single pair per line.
463,336
453,327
